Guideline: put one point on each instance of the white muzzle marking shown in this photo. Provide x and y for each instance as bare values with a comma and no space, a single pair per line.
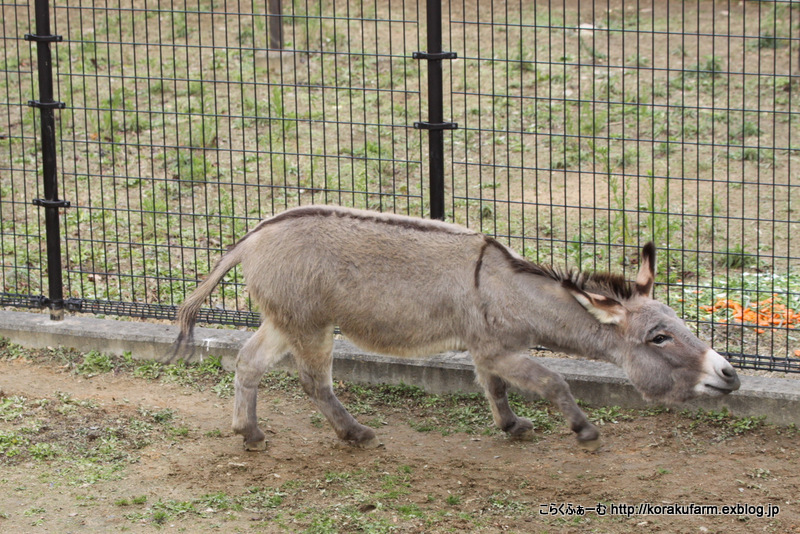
718,376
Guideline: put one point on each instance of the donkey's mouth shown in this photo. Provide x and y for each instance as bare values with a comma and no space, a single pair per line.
718,390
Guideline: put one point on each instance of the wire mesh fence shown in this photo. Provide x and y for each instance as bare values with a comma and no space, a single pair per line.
590,127
584,130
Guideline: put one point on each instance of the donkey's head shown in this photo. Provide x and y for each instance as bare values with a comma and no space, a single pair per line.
660,355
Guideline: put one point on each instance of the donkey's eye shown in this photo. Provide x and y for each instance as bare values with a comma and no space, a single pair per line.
660,339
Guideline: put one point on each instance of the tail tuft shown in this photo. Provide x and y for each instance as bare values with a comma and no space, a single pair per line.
187,314
183,348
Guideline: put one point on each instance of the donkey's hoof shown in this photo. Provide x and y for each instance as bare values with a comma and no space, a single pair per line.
590,445
588,432
522,430
372,443
255,446
589,437
525,435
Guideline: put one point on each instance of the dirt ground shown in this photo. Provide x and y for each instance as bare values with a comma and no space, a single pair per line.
186,472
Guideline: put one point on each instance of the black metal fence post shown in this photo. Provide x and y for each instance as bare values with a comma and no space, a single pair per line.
436,124
276,25
50,202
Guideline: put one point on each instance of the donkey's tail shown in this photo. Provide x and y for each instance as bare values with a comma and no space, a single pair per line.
187,313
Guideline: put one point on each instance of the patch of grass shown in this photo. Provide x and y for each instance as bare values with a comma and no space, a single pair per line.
161,416
149,370
747,129
12,444
78,442
538,412
207,373
44,451
179,431
12,408
95,363
769,41
11,351
608,414
735,257
224,388
165,510
262,499
188,165
507,502
754,154
722,420
317,421
210,366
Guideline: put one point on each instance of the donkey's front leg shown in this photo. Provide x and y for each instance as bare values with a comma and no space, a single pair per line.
521,371
260,352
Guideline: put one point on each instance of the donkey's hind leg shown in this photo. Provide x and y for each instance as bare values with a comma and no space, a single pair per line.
314,363
496,390
265,348
521,371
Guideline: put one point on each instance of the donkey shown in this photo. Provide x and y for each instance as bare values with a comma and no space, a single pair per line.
409,287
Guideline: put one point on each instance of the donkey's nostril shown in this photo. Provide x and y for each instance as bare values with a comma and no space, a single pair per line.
728,372
721,373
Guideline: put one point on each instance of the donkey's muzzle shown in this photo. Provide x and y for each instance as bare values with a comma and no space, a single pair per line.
720,377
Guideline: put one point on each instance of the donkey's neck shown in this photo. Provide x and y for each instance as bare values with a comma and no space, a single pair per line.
558,322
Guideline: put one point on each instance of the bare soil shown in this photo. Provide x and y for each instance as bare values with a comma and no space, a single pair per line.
191,474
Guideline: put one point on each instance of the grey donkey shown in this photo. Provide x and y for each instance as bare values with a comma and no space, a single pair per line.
410,287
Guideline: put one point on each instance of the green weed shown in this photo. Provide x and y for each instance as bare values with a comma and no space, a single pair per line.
725,421
95,363
44,451
736,258
261,499
12,408
769,41
12,444
608,414
149,370
224,388
161,416
189,165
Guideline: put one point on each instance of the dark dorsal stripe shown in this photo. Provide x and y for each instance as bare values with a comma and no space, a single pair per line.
328,211
421,225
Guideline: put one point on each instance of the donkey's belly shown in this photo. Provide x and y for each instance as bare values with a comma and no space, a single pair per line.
405,346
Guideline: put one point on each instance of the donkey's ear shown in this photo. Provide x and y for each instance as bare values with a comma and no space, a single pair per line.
604,309
647,271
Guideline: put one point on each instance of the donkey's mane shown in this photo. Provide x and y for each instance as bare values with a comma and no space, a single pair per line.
606,284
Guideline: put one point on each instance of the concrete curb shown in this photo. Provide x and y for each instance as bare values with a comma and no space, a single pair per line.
597,383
